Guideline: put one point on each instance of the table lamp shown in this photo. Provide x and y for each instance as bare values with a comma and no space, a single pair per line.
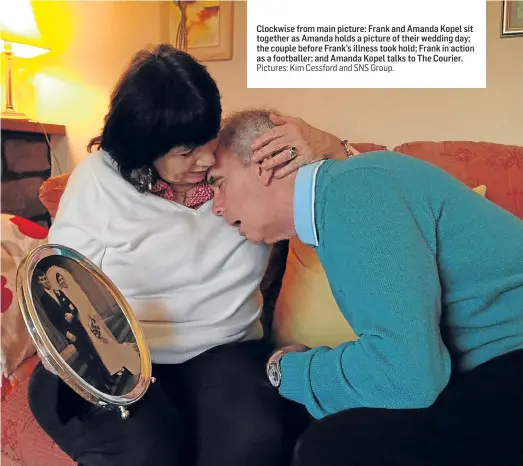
18,35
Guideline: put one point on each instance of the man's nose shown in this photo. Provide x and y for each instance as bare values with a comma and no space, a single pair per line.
217,207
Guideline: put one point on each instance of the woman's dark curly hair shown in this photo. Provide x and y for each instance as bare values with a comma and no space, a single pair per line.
164,99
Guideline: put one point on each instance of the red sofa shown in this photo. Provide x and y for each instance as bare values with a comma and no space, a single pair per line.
499,167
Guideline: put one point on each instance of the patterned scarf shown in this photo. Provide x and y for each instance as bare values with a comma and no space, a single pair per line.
201,194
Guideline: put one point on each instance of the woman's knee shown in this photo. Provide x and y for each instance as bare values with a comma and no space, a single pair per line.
253,439
270,441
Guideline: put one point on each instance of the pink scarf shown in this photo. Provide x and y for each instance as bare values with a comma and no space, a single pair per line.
201,194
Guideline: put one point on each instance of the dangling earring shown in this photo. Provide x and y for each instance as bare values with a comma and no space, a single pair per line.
149,179
145,178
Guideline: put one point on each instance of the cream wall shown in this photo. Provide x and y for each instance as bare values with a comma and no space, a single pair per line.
392,116
95,40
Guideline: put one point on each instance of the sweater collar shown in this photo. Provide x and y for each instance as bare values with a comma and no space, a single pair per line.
304,199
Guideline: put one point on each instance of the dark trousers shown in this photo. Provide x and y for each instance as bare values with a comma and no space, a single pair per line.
476,421
216,409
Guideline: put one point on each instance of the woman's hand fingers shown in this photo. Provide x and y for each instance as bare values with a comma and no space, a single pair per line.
289,168
280,151
272,148
281,119
268,143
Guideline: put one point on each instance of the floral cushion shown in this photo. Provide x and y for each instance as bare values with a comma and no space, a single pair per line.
498,166
24,443
19,237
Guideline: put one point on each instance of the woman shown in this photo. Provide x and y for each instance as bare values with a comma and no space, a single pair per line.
140,209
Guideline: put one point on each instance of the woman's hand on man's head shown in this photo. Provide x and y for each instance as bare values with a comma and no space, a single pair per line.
293,143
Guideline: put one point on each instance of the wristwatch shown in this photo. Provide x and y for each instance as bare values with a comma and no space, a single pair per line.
273,368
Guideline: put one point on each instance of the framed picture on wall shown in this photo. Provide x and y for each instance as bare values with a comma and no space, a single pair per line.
203,28
511,18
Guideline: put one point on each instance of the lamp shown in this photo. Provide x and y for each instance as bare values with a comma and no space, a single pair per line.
18,36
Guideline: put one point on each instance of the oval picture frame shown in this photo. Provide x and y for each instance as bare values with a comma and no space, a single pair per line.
88,361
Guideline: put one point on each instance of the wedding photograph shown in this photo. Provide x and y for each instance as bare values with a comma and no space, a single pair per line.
86,325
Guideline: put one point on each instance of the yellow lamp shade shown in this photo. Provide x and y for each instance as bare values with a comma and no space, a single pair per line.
19,36
17,20
18,27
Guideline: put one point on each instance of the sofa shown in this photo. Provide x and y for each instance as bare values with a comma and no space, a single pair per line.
294,286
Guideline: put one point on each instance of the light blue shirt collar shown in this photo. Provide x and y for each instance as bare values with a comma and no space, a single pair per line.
304,198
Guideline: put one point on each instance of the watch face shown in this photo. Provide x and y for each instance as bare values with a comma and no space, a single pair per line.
274,375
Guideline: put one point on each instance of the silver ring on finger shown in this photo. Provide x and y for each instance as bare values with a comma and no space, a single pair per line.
293,153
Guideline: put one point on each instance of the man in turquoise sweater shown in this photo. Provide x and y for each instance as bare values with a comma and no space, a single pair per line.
430,276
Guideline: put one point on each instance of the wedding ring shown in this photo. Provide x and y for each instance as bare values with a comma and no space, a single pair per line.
292,153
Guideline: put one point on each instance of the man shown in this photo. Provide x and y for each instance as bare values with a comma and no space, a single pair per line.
430,276
63,315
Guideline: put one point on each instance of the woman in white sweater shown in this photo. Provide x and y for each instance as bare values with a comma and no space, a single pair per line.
140,209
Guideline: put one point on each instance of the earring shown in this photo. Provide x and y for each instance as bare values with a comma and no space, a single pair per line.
149,179
145,178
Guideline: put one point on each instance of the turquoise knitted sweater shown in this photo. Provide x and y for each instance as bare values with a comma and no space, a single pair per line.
428,273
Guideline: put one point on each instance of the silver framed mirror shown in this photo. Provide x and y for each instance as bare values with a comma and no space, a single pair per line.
83,327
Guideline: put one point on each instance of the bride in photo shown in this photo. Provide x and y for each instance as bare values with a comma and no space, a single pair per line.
115,356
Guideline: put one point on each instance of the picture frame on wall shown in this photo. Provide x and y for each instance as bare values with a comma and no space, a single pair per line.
512,18
208,30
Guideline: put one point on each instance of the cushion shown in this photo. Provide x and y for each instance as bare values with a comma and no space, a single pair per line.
305,310
498,166
481,190
51,191
19,237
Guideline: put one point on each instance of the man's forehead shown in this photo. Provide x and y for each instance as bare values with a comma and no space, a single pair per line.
221,156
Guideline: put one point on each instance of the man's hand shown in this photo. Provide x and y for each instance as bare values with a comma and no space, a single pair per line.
70,337
296,348
69,317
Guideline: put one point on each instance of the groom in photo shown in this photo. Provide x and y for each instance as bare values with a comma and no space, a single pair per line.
63,315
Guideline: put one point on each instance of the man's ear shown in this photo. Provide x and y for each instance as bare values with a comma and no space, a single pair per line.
265,176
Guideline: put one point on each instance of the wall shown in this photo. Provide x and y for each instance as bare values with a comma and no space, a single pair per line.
92,42
392,116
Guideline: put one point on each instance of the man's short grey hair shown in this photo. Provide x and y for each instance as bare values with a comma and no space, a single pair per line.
240,129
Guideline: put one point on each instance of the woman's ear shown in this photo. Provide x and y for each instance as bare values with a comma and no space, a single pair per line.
265,176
